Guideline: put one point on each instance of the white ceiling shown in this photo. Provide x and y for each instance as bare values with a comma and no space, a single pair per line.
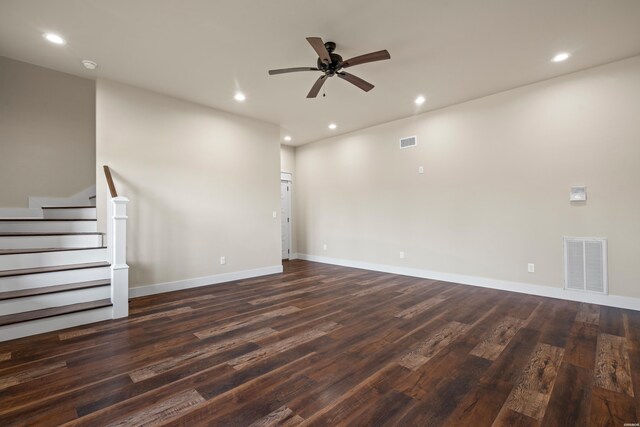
204,50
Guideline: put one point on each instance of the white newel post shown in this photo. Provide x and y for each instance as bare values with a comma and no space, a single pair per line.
118,254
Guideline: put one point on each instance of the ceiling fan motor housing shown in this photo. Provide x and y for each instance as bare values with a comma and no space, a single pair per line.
335,65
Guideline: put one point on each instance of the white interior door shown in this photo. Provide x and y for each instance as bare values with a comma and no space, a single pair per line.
285,217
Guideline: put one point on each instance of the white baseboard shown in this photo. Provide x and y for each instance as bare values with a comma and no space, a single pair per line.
159,288
293,256
505,285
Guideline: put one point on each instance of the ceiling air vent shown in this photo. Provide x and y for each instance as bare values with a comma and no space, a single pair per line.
585,264
408,142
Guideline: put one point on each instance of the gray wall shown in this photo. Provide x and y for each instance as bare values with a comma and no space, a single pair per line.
47,133
202,183
495,192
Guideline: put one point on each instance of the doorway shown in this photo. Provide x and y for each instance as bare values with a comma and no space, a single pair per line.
285,217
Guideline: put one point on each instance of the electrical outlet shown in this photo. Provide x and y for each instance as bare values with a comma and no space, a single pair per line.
531,268
223,260
324,247
401,255
275,214
421,169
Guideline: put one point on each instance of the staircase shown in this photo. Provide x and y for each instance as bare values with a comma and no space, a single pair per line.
55,271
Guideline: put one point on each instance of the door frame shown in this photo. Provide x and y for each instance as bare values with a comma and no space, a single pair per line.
288,178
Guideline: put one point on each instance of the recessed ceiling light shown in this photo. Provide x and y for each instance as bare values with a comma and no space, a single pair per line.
287,138
239,96
332,126
89,65
561,57
54,38
419,100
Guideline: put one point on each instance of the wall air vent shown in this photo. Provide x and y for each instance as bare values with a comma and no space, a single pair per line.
585,264
408,142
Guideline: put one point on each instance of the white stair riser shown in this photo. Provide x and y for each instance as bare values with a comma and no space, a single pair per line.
48,226
58,299
29,281
49,259
61,241
70,213
40,326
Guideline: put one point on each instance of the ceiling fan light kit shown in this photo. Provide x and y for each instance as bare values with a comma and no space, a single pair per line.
331,64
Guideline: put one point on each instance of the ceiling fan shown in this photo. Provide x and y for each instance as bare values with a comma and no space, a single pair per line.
331,64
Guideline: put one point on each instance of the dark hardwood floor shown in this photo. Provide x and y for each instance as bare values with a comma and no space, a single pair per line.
327,345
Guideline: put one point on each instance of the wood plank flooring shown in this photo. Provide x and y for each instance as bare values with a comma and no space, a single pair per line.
325,345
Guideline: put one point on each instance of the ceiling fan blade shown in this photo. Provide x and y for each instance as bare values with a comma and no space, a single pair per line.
368,57
317,86
318,45
362,84
291,70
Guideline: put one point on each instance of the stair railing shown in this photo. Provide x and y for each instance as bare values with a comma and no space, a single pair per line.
117,247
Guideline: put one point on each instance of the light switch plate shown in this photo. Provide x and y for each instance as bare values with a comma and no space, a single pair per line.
578,194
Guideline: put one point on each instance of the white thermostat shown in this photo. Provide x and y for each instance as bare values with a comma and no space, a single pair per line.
578,194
